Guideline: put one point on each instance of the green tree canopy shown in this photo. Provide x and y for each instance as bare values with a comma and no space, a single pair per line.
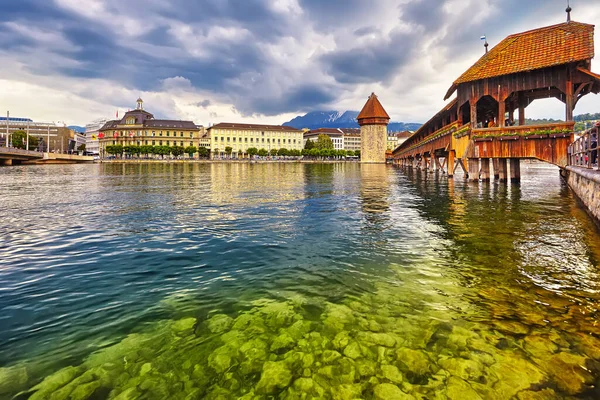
263,152
324,142
191,150
19,140
252,151
203,152
177,151
309,144
228,150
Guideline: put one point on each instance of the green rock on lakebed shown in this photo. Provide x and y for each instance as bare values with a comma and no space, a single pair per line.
277,350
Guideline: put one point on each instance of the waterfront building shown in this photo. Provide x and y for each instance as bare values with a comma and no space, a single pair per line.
204,139
342,138
241,137
60,138
139,127
373,121
335,134
351,139
92,144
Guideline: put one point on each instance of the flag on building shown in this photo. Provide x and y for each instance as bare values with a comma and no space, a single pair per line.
94,137
483,37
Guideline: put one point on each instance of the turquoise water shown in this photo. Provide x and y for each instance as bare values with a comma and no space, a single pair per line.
293,281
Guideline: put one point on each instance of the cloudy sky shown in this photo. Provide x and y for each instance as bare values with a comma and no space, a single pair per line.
254,60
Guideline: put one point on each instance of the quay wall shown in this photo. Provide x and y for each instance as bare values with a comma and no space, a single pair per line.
586,185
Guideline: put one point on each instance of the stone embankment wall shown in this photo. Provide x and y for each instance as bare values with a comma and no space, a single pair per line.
586,185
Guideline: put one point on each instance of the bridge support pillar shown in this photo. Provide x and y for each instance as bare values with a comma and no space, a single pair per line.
496,166
502,170
6,162
450,163
485,169
515,170
473,167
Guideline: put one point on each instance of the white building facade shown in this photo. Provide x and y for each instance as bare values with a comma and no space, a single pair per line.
92,144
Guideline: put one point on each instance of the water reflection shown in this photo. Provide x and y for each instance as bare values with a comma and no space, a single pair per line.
341,278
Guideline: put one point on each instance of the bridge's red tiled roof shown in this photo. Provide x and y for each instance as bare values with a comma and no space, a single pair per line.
539,48
373,109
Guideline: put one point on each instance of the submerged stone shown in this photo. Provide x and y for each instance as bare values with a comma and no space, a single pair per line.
84,391
54,382
346,392
391,373
12,379
221,359
545,394
387,391
282,342
337,316
219,323
458,389
466,369
414,361
353,351
329,356
275,375
341,340
567,370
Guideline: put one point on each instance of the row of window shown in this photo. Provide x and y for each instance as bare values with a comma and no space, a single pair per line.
254,133
153,143
141,133
290,141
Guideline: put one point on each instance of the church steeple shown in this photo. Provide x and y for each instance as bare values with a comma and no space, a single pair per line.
140,104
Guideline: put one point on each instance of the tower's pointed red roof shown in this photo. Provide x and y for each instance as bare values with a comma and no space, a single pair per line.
373,110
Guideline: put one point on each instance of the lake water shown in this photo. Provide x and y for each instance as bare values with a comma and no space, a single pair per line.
294,281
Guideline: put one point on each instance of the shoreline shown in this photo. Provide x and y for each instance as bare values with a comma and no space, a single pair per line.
144,161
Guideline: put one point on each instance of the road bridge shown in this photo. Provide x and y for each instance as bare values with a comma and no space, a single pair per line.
479,126
13,155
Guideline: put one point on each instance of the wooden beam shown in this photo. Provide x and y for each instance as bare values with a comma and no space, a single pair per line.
521,109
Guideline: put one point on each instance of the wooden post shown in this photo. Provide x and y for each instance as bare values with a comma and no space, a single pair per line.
501,110
521,109
473,105
502,170
473,168
495,165
515,170
570,105
485,169
450,163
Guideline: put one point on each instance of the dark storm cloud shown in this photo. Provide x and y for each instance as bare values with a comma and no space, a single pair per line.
204,103
299,98
366,30
243,63
375,61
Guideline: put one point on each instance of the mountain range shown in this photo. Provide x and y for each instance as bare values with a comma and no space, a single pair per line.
337,119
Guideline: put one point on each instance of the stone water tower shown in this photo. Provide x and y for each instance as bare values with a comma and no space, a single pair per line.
373,121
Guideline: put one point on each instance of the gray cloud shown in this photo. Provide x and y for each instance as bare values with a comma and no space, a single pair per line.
259,57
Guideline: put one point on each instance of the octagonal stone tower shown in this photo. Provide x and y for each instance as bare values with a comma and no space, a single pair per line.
373,121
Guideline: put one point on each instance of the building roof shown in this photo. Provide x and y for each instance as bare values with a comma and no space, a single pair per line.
535,49
373,109
151,123
254,127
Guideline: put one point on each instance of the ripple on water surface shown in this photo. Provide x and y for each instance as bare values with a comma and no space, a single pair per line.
294,281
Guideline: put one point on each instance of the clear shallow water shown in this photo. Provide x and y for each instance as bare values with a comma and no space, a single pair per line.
293,281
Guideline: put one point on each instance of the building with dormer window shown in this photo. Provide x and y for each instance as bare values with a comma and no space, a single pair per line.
139,127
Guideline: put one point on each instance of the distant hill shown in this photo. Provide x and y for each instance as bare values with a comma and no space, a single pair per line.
337,119
76,128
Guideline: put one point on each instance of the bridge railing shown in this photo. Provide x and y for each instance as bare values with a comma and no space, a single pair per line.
584,151
557,128
17,151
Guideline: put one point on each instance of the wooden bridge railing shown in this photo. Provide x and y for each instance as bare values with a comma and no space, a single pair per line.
584,151
525,130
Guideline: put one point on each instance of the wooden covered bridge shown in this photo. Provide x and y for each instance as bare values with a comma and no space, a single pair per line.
486,119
